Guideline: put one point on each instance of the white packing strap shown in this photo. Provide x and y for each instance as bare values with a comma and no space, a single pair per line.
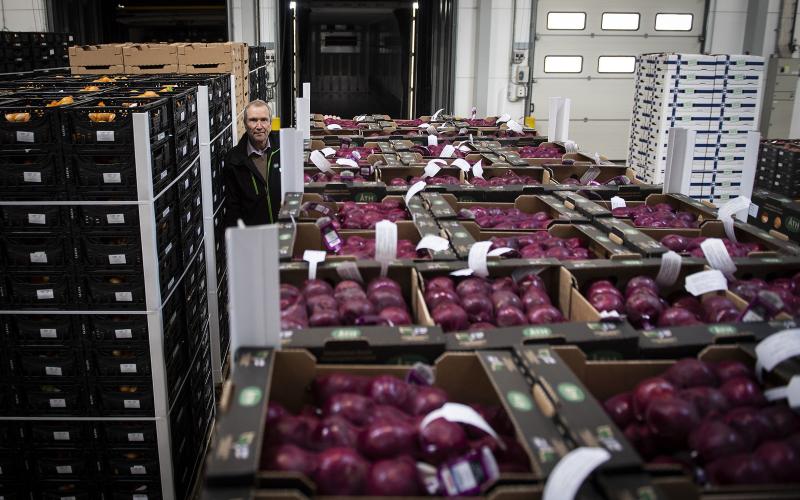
347,161
571,471
706,282
462,164
477,258
416,188
503,118
313,257
464,149
433,242
514,126
436,115
423,125
385,244
477,169
348,270
320,162
670,269
359,118
462,272
432,168
334,126
728,210
497,252
609,315
433,140
617,202
447,151
717,256
570,147
474,112
791,393
327,151
356,155
463,414
470,139
776,349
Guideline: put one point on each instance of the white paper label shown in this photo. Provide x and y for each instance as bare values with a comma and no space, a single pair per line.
131,404
416,188
123,296
356,155
194,108
717,256
348,270
48,333
424,125
753,211
184,150
24,136
503,118
183,115
477,258
790,392
320,162
433,242
37,219
38,257
334,126
728,210
477,169
60,436
123,333
447,151
462,164
112,178
514,126
777,348
117,259
359,118
385,244
497,252
138,470
52,371
58,403
32,176
433,140
115,218
64,469
105,136
313,257
328,151
135,437
347,161
670,269
140,497
571,471
617,202
705,282
457,412
127,368
45,294
432,168
436,115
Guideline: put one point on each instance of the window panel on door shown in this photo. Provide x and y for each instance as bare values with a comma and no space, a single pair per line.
563,64
620,21
566,20
616,64
674,22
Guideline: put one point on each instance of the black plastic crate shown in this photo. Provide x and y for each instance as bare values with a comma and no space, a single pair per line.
59,464
128,434
83,127
41,289
36,251
92,218
12,466
49,363
65,489
190,241
115,289
169,270
61,434
176,368
46,399
33,329
134,490
187,145
11,435
30,122
119,361
34,218
122,329
110,251
37,172
8,399
132,463
124,399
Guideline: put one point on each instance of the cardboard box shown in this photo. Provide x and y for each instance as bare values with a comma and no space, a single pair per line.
767,211
150,54
91,57
702,211
387,174
210,53
446,206
600,173
295,207
621,232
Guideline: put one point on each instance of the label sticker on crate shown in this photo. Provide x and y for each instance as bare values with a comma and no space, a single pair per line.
135,437
127,368
24,136
193,110
123,296
112,178
61,436
48,333
164,174
38,257
64,469
115,218
37,219
184,150
53,371
138,469
45,294
131,404
194,140
183,115
58,403
105,136
186,184
32,176
123,333
161,136
117,259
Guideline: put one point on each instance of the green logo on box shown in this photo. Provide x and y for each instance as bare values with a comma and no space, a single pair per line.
792,224
346,333
571,392
721,330
366,197
519,400
536,332
250,396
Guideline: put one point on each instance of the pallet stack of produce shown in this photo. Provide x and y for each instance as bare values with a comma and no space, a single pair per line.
22,52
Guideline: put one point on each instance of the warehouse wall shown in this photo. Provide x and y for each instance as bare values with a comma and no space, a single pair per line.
23,15
727,24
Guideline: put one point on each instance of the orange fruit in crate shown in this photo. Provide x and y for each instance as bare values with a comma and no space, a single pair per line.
18,117
148,93
61,102
90,88
104,79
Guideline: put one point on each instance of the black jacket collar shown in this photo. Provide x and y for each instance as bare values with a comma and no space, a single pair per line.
241,158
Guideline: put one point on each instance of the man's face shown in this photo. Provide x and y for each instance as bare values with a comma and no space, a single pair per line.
259,123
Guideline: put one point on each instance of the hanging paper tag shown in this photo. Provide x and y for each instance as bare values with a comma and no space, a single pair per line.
328,151
431,130
462,272
503,118
728,210
347,161
313,257
433,242
38,257
457,412
497,252
670,269
777,348
436,115
356,155
591,174
432,168
570,146
359,118
24,136
320,162
462,164
385,244
474,112
334,126
717,256
514,126
348,270
571,471
464,149
447,151
477,169
424,125
416,188
32,176
790,392
433,140
706,282
477,258
617,202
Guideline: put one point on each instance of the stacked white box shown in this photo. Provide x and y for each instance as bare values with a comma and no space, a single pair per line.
717,96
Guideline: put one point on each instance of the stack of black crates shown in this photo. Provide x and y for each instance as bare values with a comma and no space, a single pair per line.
778,162
106,386
28,51
258,73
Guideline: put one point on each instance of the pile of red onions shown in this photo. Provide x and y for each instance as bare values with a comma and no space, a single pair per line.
416,122
615,181
659,215
354,215
364,248
540,152
479,304
717,413
342,123
788,289
509,178
505,218
541,245
691,246
482,122
336,177
438,180
356,154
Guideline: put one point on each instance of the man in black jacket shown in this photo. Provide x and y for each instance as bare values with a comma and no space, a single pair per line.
252,171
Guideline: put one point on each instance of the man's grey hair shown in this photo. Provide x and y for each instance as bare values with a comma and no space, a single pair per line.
257,102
